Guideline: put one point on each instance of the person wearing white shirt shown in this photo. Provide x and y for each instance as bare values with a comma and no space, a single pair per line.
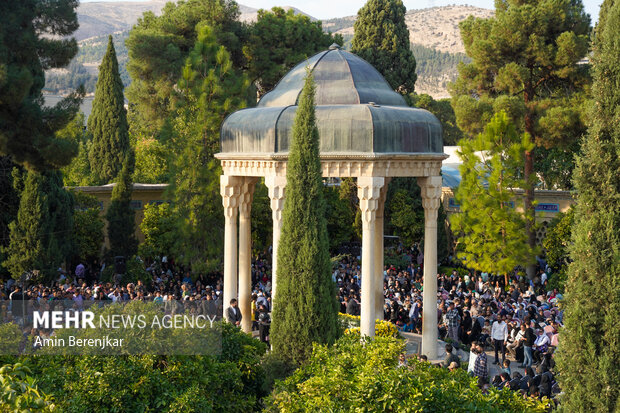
540,344
499,334
517,334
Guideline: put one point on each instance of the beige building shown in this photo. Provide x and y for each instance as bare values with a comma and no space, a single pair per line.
142,195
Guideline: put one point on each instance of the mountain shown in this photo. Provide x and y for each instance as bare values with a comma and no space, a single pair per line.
433,32
434,28
104,18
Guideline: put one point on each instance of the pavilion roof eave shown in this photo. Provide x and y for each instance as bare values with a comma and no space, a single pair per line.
365,156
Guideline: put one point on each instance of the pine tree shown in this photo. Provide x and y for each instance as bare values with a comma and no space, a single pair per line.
490,230
589,345
120,215
209,90
107,122
525,61
305,309
382,39
34,37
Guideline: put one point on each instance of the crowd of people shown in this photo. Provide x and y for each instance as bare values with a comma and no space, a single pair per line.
515,317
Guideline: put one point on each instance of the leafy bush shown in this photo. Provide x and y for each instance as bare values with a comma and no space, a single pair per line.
20,392
363,376
382,329
232,381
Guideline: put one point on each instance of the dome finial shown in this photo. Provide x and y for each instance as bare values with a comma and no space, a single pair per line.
334,46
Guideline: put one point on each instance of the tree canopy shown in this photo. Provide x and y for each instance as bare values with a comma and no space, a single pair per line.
33,38
382,39
489,229
107,122
588,352
278,41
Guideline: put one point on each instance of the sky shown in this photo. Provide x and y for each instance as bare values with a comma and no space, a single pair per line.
325,9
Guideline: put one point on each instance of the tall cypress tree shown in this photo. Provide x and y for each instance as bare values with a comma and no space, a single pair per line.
108,122
382,39
120,215
305,307
41,236
589,347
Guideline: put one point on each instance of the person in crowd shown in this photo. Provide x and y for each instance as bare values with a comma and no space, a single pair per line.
499,334
233,314
451,357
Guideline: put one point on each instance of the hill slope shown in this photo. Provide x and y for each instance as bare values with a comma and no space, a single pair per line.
433,32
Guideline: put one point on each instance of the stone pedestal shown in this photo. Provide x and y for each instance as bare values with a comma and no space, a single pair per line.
431,196
369,192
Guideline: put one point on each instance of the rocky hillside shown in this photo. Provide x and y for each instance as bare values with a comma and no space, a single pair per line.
433,32
435,28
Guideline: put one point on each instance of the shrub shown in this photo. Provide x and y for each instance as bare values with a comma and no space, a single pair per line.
20,392
355,375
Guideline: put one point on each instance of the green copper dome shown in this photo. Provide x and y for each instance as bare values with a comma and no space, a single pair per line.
356,111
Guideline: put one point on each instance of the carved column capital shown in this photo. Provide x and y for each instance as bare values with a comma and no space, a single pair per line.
230,189
431,195
246,196
369,194
276,186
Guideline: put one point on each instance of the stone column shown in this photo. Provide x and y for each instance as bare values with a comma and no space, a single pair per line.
276,184
245,252
230,187
431,194
379,253
369,192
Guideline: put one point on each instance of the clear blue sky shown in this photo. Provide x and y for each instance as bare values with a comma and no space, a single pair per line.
324,9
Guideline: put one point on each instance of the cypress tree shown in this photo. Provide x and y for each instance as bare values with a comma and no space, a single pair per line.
589,345
26,232
108,122
305,308
41,236
120,215
382,39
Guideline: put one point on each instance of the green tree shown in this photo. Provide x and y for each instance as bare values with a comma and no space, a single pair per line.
77,173
262,220
382,39
209,90
489,230
120,214
152,161
278,41
107,122
525,62
589,347
443,110
88,226
339,216
558,238
303,254
158,48
406,217
41,236
27,231
158,227
33,38
9,205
